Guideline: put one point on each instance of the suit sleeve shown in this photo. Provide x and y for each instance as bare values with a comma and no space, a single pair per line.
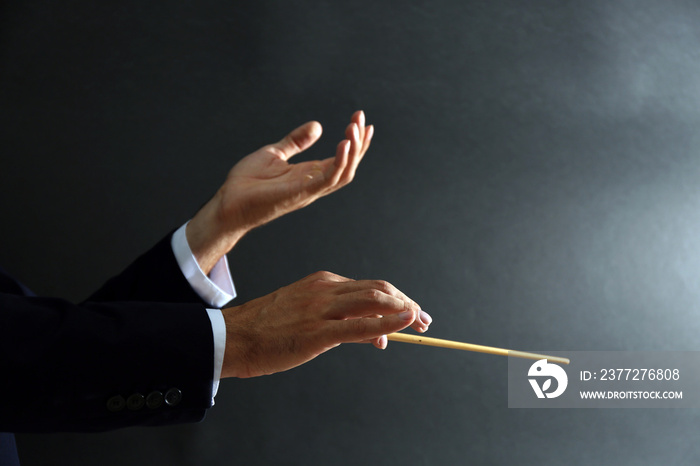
93,367
154,276
130,355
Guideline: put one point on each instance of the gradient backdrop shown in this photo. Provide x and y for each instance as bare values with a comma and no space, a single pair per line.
533,184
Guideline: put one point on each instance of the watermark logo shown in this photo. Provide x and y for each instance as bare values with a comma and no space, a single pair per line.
544,371
606,379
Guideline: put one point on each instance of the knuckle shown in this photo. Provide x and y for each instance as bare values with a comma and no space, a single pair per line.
292,142
323,279
320,275
372,295
383,286
330,276
275,150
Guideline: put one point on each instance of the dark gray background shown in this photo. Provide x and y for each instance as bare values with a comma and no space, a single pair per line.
532,183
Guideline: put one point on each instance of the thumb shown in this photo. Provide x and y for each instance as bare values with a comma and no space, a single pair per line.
299,140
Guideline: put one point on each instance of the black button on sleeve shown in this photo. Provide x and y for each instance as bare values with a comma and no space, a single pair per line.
154,399
173,397
135,402
116,404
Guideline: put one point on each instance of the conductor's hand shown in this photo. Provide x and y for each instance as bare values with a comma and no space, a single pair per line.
264,186
298,322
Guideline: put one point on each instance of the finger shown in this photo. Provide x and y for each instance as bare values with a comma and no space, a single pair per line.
354,158
376,342
380,285
355,330
340,162
359,119
340,170
357,134
352,134
365,303
298,140
352,131
368,139
423,319
334,167
422,322
381,342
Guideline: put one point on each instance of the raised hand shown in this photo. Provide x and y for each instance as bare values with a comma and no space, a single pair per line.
264,186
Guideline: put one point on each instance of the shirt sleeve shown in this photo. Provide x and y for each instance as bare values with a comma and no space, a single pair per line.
216,289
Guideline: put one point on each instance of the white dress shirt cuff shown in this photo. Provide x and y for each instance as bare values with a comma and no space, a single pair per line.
218,329
216,289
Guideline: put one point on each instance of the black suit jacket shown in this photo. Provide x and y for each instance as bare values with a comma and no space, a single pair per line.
139,351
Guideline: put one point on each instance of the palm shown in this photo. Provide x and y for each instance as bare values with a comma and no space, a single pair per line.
264,182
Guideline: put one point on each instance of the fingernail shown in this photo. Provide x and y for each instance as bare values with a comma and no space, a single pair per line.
383,342
425,318
407,315
362,118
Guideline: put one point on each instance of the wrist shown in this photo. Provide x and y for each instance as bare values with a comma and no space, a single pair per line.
208,236
233,364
